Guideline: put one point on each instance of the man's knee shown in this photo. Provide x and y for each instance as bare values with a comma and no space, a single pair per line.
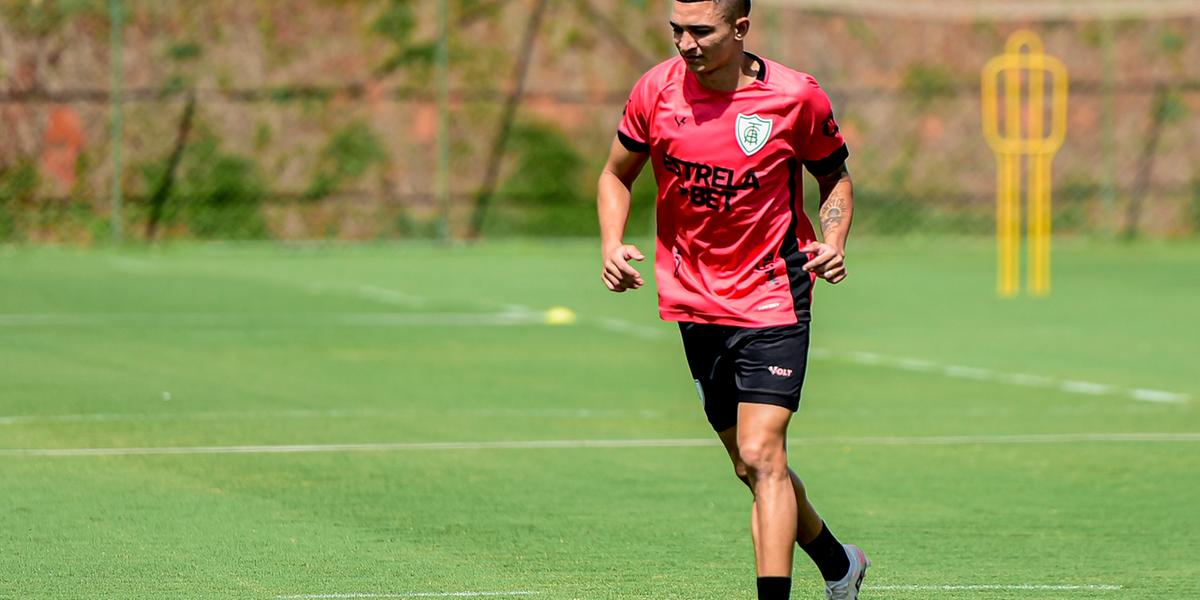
763,459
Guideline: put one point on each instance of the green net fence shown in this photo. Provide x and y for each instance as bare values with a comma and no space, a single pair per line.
319,119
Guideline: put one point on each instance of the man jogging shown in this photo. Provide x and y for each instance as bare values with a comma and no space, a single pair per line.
737,258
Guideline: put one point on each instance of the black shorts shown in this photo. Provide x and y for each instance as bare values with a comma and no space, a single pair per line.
732,365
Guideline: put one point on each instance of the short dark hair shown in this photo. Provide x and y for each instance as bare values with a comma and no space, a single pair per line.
734,9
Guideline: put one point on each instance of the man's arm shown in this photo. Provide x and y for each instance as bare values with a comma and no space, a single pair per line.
836,212
612,204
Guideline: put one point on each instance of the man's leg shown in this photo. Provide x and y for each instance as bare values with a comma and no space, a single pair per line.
761,434
769,374
729,440
826,551
809,522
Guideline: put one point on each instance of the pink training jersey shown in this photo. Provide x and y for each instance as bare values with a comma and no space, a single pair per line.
731,219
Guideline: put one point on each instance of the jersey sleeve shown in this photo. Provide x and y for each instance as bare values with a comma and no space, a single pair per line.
634,130
819,141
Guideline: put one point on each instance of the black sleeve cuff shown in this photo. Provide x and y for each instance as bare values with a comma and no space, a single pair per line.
829,164
633,145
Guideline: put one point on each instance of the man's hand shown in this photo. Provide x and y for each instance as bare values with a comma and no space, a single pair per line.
829,264
618,275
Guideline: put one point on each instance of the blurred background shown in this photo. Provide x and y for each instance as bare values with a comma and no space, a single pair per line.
321,119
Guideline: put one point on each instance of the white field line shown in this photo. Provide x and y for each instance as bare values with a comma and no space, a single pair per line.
503,319
268,320
409,595
933,587
963,440
364,291
1158,396
1000,587
1087,388
551,413
276,319
344,448
374,293
625,327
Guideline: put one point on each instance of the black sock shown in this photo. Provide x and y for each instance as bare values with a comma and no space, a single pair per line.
829,555
774,588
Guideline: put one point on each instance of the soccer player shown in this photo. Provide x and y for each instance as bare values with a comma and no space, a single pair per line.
737,258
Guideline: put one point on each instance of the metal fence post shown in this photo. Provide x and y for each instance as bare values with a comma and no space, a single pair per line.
443,134
116,17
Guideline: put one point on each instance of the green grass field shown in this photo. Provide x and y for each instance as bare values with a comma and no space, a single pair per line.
976,448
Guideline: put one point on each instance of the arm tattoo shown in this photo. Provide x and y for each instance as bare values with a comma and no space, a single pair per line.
833,211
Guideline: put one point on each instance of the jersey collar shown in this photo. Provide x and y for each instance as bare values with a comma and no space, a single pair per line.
762,66
694,83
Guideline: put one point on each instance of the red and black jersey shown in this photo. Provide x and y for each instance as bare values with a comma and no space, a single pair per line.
731,216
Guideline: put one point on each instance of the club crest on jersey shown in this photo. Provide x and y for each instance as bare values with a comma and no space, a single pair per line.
753,132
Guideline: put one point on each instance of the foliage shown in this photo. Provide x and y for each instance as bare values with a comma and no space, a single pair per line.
545,186
47,16
183,51
217,195
858,29
396,24
1196,203
1072,199
18,184
469,11
1171,107
181,57
1171,42
926,83
410,227
347,156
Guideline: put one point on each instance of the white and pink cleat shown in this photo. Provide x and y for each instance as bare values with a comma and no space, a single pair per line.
847,588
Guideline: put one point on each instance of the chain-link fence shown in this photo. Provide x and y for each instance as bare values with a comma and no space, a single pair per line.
315,119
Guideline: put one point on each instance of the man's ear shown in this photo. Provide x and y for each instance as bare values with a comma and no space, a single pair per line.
741,28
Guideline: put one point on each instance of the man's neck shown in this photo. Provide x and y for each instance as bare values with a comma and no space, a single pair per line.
731,77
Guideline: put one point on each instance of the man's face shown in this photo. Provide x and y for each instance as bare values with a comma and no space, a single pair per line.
704,36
